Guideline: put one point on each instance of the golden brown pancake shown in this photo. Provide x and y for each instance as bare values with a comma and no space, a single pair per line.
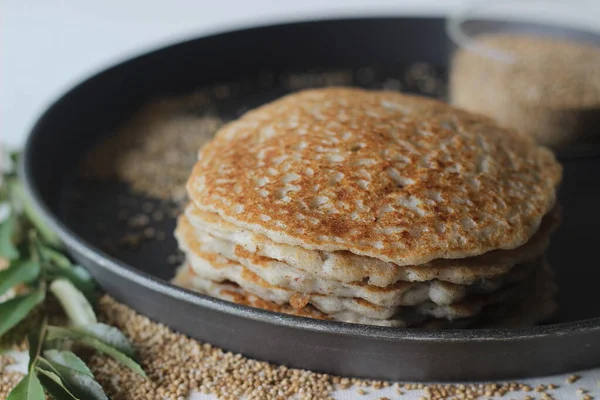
369,207
400,178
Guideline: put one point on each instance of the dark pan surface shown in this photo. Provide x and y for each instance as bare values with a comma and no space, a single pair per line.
376,51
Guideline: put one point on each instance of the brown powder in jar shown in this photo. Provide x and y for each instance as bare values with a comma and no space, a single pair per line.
550,90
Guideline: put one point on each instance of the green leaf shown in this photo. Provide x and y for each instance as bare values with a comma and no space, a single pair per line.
67,359
56,257
73,302
7,232
44,364
82,281
3,192
29,388
18,272
112,352
14,310
54,385
85,338
59,333
82,385
59,266
36,341
32,215
109,335
14,157
78,276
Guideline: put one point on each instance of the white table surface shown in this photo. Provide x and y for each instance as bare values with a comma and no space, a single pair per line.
46,46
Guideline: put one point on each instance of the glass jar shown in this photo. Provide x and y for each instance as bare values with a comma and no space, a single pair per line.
534,66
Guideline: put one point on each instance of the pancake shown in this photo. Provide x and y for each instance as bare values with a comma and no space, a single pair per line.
371,207
278,274
215,267
398,178
526,308
232,292
343,266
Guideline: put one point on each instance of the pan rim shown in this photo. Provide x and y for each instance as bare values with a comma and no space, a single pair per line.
136,276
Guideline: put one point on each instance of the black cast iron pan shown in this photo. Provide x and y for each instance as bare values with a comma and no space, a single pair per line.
139,278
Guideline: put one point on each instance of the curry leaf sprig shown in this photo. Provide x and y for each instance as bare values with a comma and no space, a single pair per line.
33,267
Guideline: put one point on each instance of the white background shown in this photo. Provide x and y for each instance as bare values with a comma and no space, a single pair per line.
46,46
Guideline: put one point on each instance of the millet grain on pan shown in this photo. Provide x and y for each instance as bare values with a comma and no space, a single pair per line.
155,150
303,80
153,153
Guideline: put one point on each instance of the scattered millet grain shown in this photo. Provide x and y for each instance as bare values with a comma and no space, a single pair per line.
540,388
155,150
138,221
172,259
131,239
8,380
5,361
149,233
423,77
304,80
158,216
176,365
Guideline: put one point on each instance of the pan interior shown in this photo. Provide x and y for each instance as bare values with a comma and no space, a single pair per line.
259,66
94,209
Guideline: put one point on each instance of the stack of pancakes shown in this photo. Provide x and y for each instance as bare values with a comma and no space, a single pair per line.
372,207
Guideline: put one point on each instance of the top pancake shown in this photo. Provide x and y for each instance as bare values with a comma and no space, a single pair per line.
400,178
